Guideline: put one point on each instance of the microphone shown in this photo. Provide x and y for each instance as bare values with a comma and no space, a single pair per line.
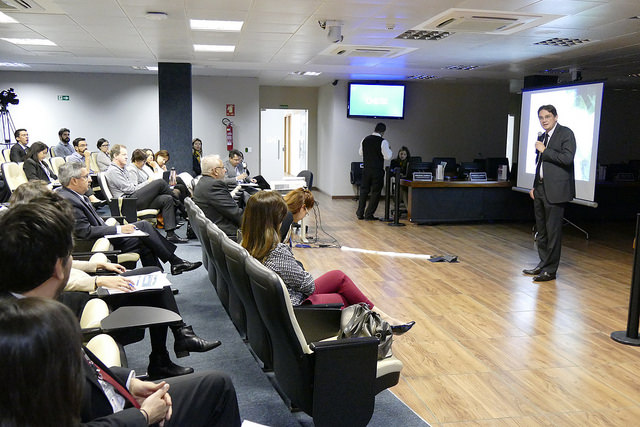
540,139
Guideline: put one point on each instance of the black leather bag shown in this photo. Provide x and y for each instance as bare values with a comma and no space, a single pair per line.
358,320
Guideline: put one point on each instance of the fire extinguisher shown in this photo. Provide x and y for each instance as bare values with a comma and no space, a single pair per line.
229,132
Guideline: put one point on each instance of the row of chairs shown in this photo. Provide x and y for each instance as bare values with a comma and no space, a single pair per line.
5,157
334,381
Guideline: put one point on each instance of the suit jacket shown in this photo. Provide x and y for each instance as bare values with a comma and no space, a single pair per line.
213,197
17,153
34,171
557,166
89,225
96,409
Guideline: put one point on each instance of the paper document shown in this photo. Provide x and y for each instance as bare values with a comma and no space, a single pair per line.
136,233
143,282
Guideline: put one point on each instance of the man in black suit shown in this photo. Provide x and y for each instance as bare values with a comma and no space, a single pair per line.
74,178
554,186
213,197
374,150
19,150
204,399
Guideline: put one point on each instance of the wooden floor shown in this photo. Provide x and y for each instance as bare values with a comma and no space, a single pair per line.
491,347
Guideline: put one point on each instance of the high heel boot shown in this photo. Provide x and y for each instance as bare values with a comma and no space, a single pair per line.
187,341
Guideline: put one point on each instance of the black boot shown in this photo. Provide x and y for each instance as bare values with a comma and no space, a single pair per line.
161,366
187,340
190,233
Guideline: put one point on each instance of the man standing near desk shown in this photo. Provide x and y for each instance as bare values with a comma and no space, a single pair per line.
374,150
553,187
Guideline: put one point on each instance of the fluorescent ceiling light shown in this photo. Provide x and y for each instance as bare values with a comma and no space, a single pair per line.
306,73
152,68
14,65
209,25
30,42
5,19
213,48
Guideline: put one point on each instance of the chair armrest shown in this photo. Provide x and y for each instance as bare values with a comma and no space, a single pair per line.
350,363
318,323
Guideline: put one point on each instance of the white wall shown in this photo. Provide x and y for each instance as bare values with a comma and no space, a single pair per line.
124,109
210,98
121,108
465,121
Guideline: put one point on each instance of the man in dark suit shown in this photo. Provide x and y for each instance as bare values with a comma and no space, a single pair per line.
19,150
204,399
554,186
74,178
374,150
213,197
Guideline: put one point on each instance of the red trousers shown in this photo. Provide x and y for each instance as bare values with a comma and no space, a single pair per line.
336,287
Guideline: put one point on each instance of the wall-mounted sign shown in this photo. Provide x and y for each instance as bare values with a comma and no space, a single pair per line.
231,109
63,97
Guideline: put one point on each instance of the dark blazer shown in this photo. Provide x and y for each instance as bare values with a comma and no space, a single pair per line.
213,197
96,409
89,225
17,153
557,167
33,171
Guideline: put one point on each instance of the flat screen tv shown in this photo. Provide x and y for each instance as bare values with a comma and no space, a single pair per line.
374,100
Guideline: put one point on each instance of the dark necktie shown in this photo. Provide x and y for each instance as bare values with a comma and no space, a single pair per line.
103,375
92,210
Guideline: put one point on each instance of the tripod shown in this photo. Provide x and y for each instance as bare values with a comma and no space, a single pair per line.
8,128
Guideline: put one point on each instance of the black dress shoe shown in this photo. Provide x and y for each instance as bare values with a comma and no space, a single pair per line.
401,329
534,271
544,277
184,266
174,238
371,218
360,216
187,341
161,366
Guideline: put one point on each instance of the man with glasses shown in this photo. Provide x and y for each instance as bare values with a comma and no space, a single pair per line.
89,225
81,154
213,197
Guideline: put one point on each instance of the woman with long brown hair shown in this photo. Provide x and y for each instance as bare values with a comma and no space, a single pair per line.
260,237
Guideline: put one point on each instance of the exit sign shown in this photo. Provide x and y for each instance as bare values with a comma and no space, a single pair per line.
63,97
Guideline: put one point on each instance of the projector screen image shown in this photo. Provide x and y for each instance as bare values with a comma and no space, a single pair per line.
376,101
578,108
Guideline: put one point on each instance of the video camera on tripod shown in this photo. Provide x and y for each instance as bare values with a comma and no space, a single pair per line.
8,96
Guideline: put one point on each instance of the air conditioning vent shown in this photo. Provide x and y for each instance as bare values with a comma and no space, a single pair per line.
366,51
33,6
484,21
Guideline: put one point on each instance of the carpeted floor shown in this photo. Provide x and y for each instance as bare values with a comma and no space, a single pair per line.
258,400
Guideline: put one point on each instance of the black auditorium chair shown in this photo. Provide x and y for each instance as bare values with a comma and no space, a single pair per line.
193,211
257,334
234,305
334,381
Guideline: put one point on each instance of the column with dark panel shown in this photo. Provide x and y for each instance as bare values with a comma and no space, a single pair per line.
175,113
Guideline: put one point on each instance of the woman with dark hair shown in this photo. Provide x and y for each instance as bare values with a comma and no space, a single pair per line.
136,168
40,363
102,158
196,146
260,224
299,202
34,167
402,161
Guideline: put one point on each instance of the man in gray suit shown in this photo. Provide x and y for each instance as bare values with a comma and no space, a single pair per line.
553,187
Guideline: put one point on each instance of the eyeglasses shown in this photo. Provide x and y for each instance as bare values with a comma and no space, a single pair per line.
84,177
220,167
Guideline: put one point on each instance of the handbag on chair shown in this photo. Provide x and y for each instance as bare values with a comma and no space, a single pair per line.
358,320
